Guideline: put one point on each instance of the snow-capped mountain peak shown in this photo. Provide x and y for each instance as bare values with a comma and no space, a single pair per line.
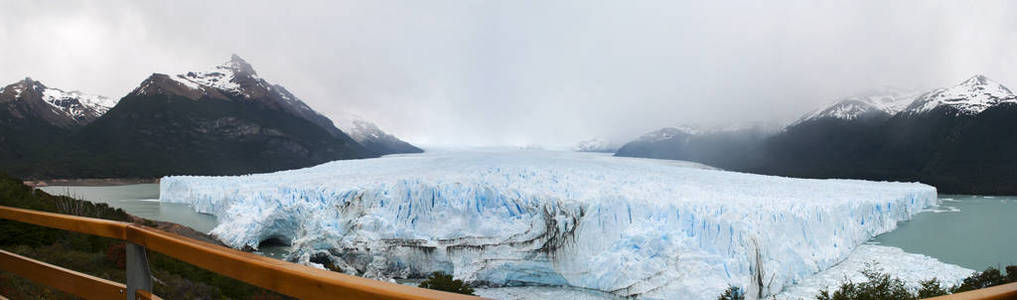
233,77
888,101
969,97
239,66
371,136
236,80
358,128
81,107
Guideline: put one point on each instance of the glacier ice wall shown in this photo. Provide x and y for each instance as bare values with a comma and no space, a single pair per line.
631,227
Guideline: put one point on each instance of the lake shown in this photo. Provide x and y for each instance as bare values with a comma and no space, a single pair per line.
974,232
141,200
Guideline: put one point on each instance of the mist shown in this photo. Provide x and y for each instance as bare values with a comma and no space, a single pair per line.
550,73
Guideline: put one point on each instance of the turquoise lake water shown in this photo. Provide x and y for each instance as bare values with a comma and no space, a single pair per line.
974,232
140,200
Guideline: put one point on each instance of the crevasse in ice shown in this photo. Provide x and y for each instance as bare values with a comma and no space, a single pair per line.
631,227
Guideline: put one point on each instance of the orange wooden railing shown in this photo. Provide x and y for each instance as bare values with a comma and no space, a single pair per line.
999,292
284,277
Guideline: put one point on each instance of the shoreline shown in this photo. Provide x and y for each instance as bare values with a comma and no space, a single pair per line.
89,182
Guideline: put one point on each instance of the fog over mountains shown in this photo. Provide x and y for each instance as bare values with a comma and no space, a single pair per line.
959,139
520,73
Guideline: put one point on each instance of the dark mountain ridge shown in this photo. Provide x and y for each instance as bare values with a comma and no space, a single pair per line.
960,139
226,121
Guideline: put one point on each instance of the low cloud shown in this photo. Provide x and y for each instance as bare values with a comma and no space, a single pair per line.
524,72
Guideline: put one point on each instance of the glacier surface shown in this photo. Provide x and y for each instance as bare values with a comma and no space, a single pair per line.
625,226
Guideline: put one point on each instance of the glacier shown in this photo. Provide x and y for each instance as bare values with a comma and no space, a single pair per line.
630,227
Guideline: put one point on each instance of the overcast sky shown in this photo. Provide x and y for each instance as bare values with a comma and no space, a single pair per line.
523,72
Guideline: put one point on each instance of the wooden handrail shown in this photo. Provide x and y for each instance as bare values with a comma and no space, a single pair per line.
284,277
73,282
93,226
999,292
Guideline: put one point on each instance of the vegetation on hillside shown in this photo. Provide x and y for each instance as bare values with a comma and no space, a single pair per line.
97,256
883,286
444,282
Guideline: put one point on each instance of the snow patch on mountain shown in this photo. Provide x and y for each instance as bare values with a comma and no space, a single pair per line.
968,98
371,136
596,145
360,129
630,227
670,132
888,101
689,130
79,106
223,77
186,82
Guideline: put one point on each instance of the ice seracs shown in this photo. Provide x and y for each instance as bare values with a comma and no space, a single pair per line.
967,98
630,227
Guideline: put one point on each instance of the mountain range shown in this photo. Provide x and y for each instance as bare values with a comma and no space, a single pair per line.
224,121
959,139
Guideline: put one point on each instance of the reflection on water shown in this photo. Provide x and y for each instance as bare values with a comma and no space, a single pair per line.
974,232
141,200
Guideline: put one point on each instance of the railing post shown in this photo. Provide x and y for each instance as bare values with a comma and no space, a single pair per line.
139,276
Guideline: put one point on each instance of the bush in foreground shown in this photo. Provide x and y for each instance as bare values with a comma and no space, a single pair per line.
987,278
879,286
884,286
444,282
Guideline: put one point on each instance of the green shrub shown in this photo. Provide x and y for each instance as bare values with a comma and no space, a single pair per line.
444,282
883,286
990,277
931,288
878,287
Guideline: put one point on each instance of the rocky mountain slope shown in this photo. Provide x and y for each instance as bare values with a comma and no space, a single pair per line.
224,121
36,122
730,147
373,138
227,120
959,139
